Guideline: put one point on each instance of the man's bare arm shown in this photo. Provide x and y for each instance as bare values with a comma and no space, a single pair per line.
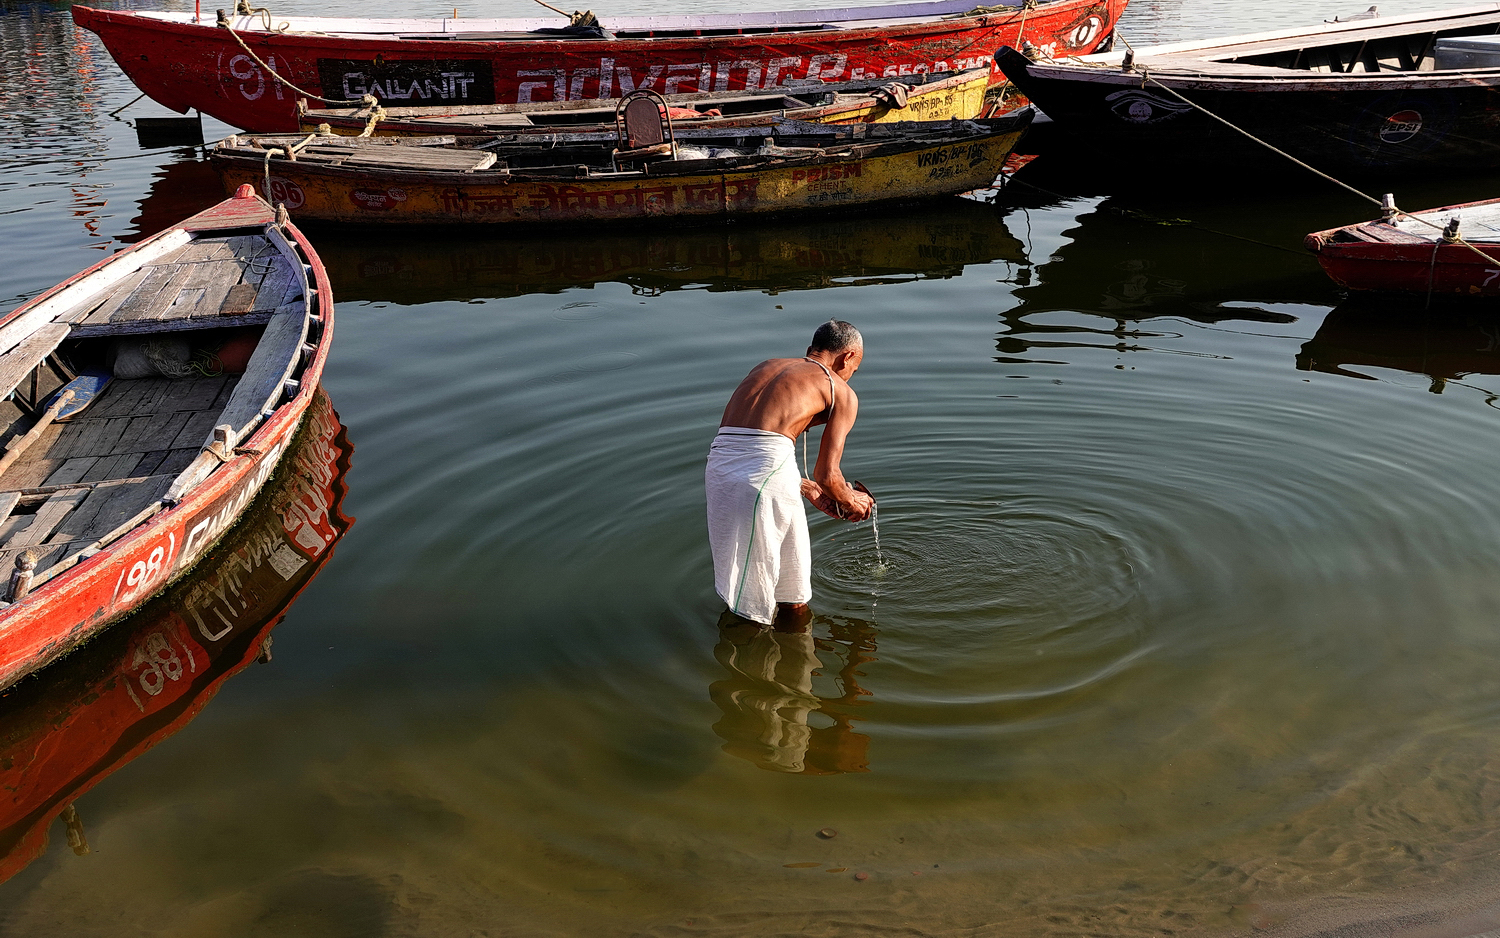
828,474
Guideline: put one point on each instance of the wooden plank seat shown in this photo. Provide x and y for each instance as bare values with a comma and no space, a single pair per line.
212,282
115,460
430,159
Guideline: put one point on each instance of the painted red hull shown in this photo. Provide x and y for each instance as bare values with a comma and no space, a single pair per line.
103,707
184,65
75,605
1412,266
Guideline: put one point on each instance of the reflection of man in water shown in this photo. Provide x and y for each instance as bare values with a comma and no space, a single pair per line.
767,699
756,524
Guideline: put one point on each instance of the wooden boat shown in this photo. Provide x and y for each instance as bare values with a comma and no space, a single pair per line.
184,61
940,96
91,714
1371,95
784,167
1415,254
149,398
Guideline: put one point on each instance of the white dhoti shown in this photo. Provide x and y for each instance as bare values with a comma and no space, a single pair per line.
757,527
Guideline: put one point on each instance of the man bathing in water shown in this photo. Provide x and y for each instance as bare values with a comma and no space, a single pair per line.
757,527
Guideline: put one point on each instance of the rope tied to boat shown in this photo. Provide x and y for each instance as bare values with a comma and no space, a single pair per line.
291,154
368,100
1389,209
377,114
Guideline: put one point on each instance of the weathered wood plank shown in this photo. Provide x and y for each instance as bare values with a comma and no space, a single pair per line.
120,466
268,295
215,281
17,363
45,521
120,294
210,320
151,432
165,298
176,461
194,433
72,470
8,502
239,300
157,278
150,463
119,397
275,356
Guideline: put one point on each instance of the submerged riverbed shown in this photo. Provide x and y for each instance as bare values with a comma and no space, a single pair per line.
1187,622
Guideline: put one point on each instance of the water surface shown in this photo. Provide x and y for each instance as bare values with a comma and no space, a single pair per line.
1188,621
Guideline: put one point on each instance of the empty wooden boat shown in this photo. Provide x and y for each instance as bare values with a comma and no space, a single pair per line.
1375,94
787,166
147,400
184,60
132,687
940,96
1452,251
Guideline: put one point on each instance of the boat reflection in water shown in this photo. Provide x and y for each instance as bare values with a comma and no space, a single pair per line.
1445,343
769,701
73,724
934,241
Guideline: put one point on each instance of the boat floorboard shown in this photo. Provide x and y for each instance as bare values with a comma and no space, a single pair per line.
143,431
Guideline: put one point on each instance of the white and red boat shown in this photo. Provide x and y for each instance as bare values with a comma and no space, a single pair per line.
188,60
1453,251
145,402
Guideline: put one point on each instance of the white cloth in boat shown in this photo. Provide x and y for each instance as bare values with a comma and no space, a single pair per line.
757,527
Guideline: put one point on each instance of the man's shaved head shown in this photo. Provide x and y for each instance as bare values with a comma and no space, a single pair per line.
835,335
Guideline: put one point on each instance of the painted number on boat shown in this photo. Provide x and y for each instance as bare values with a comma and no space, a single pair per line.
242,74
287,192
147,571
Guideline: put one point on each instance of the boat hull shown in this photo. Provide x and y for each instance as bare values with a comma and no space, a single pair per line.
185,65
76,604
370,196
960,97
1338,123
1444,269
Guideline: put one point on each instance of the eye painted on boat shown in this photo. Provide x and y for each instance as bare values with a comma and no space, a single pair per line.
1142,107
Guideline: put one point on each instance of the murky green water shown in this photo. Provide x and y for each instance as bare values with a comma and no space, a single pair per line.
1190,621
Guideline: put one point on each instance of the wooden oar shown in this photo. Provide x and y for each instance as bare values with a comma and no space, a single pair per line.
18,446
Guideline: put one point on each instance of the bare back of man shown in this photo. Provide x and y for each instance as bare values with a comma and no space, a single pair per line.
790,395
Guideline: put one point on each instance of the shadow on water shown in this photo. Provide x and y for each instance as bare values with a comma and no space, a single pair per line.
770,705
1446,343
75,723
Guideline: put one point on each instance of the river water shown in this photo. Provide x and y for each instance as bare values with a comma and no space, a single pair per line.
1188,621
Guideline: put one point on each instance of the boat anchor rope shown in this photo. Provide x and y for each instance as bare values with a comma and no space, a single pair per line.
368,100
1388,206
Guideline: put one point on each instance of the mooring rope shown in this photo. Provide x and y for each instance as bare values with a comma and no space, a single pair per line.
1391,211
368,100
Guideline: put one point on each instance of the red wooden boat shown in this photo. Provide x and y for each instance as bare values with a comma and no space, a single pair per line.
185,61
146,401
78,722
1413,253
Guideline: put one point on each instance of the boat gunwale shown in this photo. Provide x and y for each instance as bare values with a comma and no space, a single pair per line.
807,19
480,48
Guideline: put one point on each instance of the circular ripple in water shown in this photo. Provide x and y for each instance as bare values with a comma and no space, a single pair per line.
1011,562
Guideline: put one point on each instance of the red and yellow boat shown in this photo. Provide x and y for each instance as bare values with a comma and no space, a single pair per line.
229,71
